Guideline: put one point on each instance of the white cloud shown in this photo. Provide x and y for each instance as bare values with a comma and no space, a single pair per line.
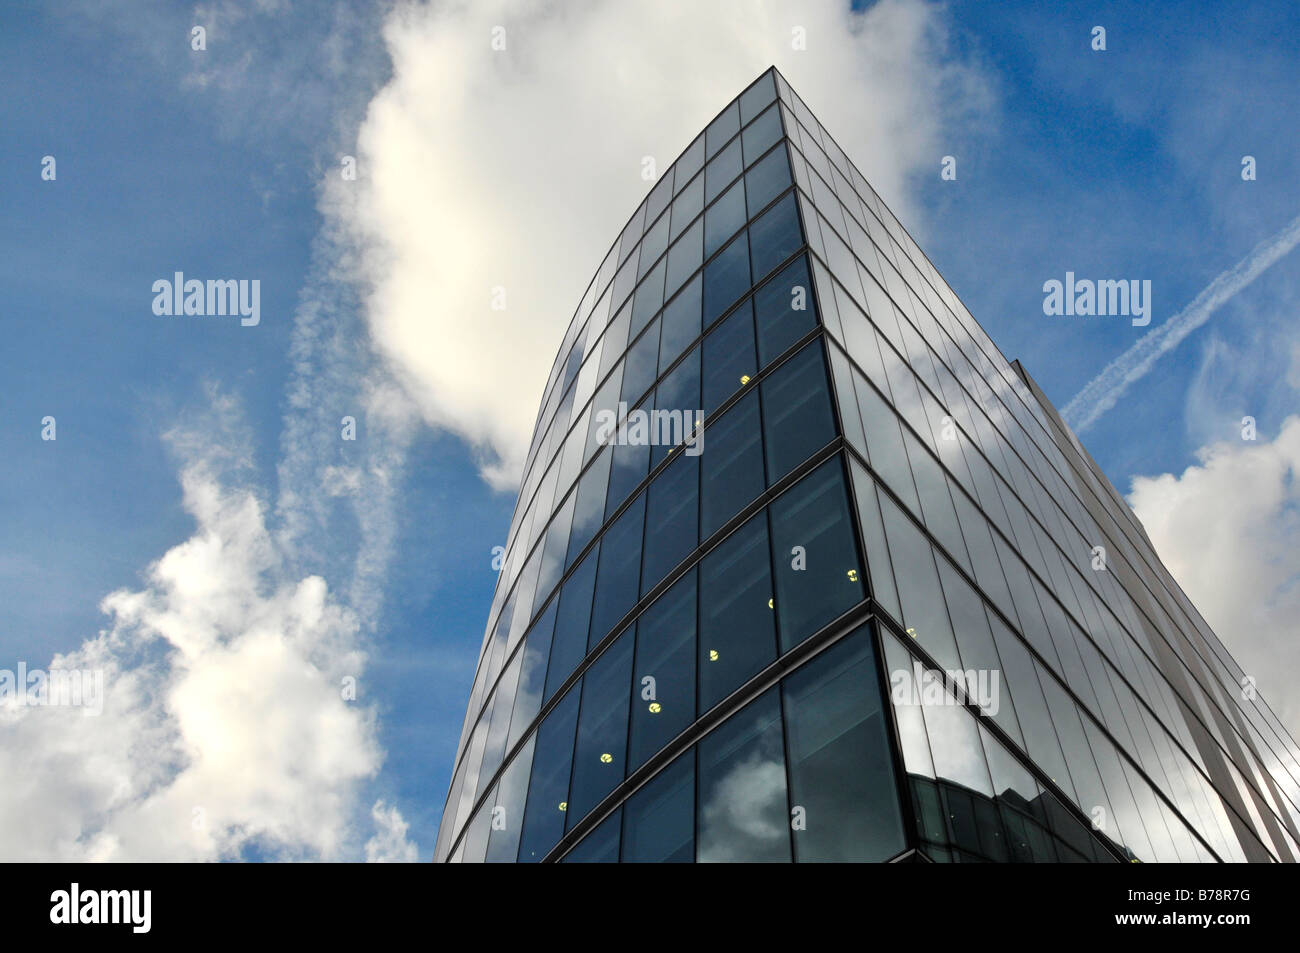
517,168
224,726
1227,530
389,845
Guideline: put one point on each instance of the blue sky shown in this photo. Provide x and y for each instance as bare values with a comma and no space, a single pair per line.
221,163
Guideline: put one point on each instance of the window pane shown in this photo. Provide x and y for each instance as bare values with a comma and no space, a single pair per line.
732,467
975,643
721,170
797,415
743,811
680,324
724,218
767,179
672,515
642,362
532,674
620,572
587,516
503,842
759,136
678,396
737,629
723,128
879,566
631,464
548,787
918,586
756,97
600,756
726,278
684,258
659,819
687,205
729,358
600,846
817,571
885,445
649,298
692,161
784,311
775,236
653,245
840,761
663,686
569,646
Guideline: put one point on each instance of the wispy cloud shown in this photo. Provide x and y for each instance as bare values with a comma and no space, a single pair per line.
1105,390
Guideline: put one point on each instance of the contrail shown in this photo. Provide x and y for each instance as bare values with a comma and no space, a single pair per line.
1104,390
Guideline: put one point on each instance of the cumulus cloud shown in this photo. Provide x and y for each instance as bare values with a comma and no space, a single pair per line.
514,169
225,727
1226,528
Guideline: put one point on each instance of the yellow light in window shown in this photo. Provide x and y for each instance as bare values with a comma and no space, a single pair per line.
713,655
606,758
744,379
853,575
912,632
655,708
769,604
564,805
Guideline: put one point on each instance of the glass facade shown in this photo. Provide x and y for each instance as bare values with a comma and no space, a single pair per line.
803,569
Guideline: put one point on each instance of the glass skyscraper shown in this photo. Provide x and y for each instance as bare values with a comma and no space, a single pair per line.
803,569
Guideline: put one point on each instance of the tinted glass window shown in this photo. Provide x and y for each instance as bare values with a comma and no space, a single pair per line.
732,465
692,161
659,819
726,278
687,205
672,515
918,586
653,245
721,170
760,135
588,515
631,464
600,846
784,311
663,685
797,415
737,629
723,128
532,674
685,257
649,298
620,569
678,396
569,645
724,218
775,236
767,179
680,323
840,762
817,571
548,787
756,97
503,839
729,358
600,756
744,754
642,362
